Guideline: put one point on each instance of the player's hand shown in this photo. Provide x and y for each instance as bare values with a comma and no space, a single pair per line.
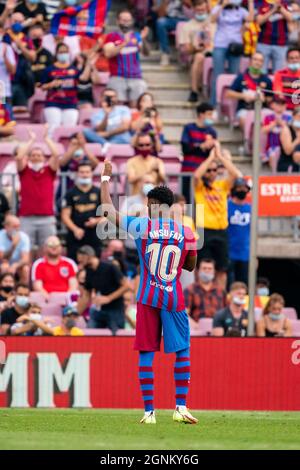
78,233
144,33
107,168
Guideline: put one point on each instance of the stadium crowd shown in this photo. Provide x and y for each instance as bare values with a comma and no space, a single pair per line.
68,102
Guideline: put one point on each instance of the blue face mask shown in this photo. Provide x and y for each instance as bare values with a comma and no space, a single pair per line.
296,123
201,17
22,301
70,2
296,16
17,28
294,67
63,57
84,181
78,153
263,291
276,316
208,122
236,3
34,2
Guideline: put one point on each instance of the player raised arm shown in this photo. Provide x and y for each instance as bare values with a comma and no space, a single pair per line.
109,210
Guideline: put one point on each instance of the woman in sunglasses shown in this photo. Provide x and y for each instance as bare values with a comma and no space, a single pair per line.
211,194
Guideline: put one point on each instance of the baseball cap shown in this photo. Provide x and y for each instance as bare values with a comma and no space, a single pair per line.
69,310
241,182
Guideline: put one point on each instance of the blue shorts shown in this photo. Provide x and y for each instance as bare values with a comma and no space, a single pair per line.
152,321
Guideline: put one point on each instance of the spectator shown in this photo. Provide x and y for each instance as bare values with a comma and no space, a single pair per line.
27,324
7,287
272,126
195,40
115,254
77,152
20,306
60,80
179,209
86,64
111,123
170,13
204,298
141,118
53,6
239,218
68,325
122,47
33,11
25,55
51,42
53,272
289,159
144,165
273,20
4,208
273,322
6,9
294,25
7,68
74,296
212,194
44,58
197,140
79,212
287,80
7,126
104,287
37,180
229,16
14,249
232,318
250,37
262,294
244,86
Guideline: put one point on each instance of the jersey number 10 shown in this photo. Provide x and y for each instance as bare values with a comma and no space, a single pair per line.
159,259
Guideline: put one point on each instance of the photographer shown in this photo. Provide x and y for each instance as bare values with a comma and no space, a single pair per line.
111,123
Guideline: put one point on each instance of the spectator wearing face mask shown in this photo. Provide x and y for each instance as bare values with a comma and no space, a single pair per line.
144,164
7,286
122,49
195,40
44,58
289,159
25,55
10,315
239,219
294,25
4,208
14,249
27,324
37,178
68,325
204,298
197,140
273,322
287,80
234,317
7,68
60,80
110,125
79,212
34,12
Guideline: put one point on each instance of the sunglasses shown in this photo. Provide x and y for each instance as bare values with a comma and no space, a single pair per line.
140,146
211,170
53,245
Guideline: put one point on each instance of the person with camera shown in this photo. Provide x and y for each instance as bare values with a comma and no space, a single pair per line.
111,124
229,17
273,19
245,85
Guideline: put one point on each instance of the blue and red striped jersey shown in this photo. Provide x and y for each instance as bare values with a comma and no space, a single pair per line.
127,63
192,137
275,30
65,96
162,245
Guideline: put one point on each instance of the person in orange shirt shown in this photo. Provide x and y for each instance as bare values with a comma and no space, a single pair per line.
287,80
211,196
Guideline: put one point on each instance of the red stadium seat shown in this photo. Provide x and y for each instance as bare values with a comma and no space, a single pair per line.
119,153
290,313
205,326
63,134
58,298
85,116
52,310
53,320
37,297
97,332
296,328
96,150
225,106
21,131
123,332
36,106
170,153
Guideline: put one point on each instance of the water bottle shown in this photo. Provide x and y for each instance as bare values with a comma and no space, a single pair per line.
98,307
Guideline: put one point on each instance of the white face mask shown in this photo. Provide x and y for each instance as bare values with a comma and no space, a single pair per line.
36,166
35,316
237,301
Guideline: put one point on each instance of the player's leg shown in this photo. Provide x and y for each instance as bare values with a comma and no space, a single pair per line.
177,339
147,341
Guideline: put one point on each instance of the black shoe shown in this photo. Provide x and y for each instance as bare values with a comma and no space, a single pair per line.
193,98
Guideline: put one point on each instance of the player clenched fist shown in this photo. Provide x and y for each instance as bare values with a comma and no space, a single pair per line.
107,170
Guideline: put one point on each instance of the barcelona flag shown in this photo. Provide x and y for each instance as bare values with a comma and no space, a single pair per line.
86,19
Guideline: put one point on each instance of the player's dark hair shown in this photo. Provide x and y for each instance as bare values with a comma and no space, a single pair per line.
203,107
4,275
207,260
263,281
124,10
292,49
162,194
23,285
85,163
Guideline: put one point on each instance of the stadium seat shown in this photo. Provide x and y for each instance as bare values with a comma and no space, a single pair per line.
21,131
81,323
123,332
85,116
63,134
52,310
119,153
96,150
248,131
172,172
225,106
53,320
170,153
207,76
290,313
58,298
205,326
99,88
36,106
37,297
296,328
97,332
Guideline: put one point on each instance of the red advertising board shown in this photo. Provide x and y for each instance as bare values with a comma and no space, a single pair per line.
279,196
101,372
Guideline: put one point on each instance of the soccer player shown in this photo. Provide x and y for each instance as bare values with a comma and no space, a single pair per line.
165,247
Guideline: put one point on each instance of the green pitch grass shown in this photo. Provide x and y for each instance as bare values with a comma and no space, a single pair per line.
120,429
